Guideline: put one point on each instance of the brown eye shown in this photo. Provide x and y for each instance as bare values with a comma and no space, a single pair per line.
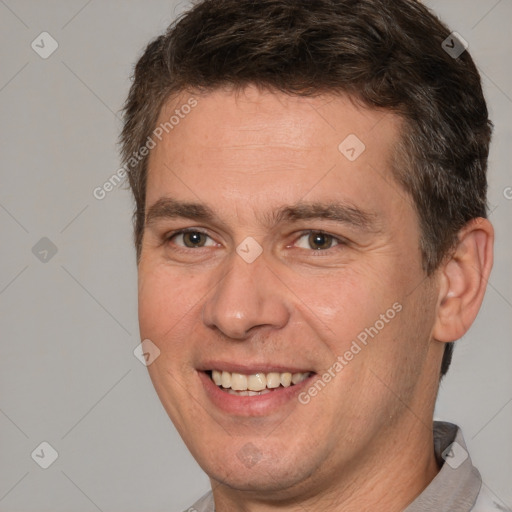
191,239
319,241
194,239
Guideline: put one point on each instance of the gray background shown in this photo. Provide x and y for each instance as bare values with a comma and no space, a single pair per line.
68,375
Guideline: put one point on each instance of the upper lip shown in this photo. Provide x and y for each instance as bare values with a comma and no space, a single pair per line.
251,369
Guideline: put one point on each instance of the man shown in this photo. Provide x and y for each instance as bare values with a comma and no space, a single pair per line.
311,235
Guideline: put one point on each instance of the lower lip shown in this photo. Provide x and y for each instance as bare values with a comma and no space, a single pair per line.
258,405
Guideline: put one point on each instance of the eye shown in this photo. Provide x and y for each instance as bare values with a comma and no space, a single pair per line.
190,238
318,240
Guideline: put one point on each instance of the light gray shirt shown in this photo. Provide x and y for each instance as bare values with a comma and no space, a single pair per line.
456,488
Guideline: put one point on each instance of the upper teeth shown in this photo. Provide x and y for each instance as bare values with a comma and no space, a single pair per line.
256,381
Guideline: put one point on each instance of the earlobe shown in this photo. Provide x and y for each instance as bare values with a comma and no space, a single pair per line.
463,280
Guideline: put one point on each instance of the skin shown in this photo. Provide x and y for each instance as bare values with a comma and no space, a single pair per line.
364,442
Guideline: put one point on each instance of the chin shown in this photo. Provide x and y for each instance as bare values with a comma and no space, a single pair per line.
251,469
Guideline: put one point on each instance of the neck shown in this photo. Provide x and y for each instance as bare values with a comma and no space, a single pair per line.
406,466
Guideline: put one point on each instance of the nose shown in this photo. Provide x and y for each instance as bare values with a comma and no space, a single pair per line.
249,295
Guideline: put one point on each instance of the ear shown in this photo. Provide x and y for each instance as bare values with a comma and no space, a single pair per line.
463,280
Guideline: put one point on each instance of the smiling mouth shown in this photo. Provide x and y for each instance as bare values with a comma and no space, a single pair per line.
255,384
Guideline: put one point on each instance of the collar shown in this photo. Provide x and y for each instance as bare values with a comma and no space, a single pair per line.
455,488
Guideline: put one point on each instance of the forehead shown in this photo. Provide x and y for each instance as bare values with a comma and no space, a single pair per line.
251,143
274,118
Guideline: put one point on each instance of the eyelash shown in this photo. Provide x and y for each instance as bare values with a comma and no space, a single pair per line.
340,241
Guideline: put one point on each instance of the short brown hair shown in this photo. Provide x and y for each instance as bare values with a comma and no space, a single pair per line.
385,53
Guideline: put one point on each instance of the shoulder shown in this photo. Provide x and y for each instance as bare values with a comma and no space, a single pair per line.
203,504
486,503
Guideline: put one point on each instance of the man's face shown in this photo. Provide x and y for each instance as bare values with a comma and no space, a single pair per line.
323,286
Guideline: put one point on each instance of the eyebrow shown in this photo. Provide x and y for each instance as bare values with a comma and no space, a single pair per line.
339,211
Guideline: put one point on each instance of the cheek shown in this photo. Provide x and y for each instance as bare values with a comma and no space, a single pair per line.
151,303
345,302
169,309
162,300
